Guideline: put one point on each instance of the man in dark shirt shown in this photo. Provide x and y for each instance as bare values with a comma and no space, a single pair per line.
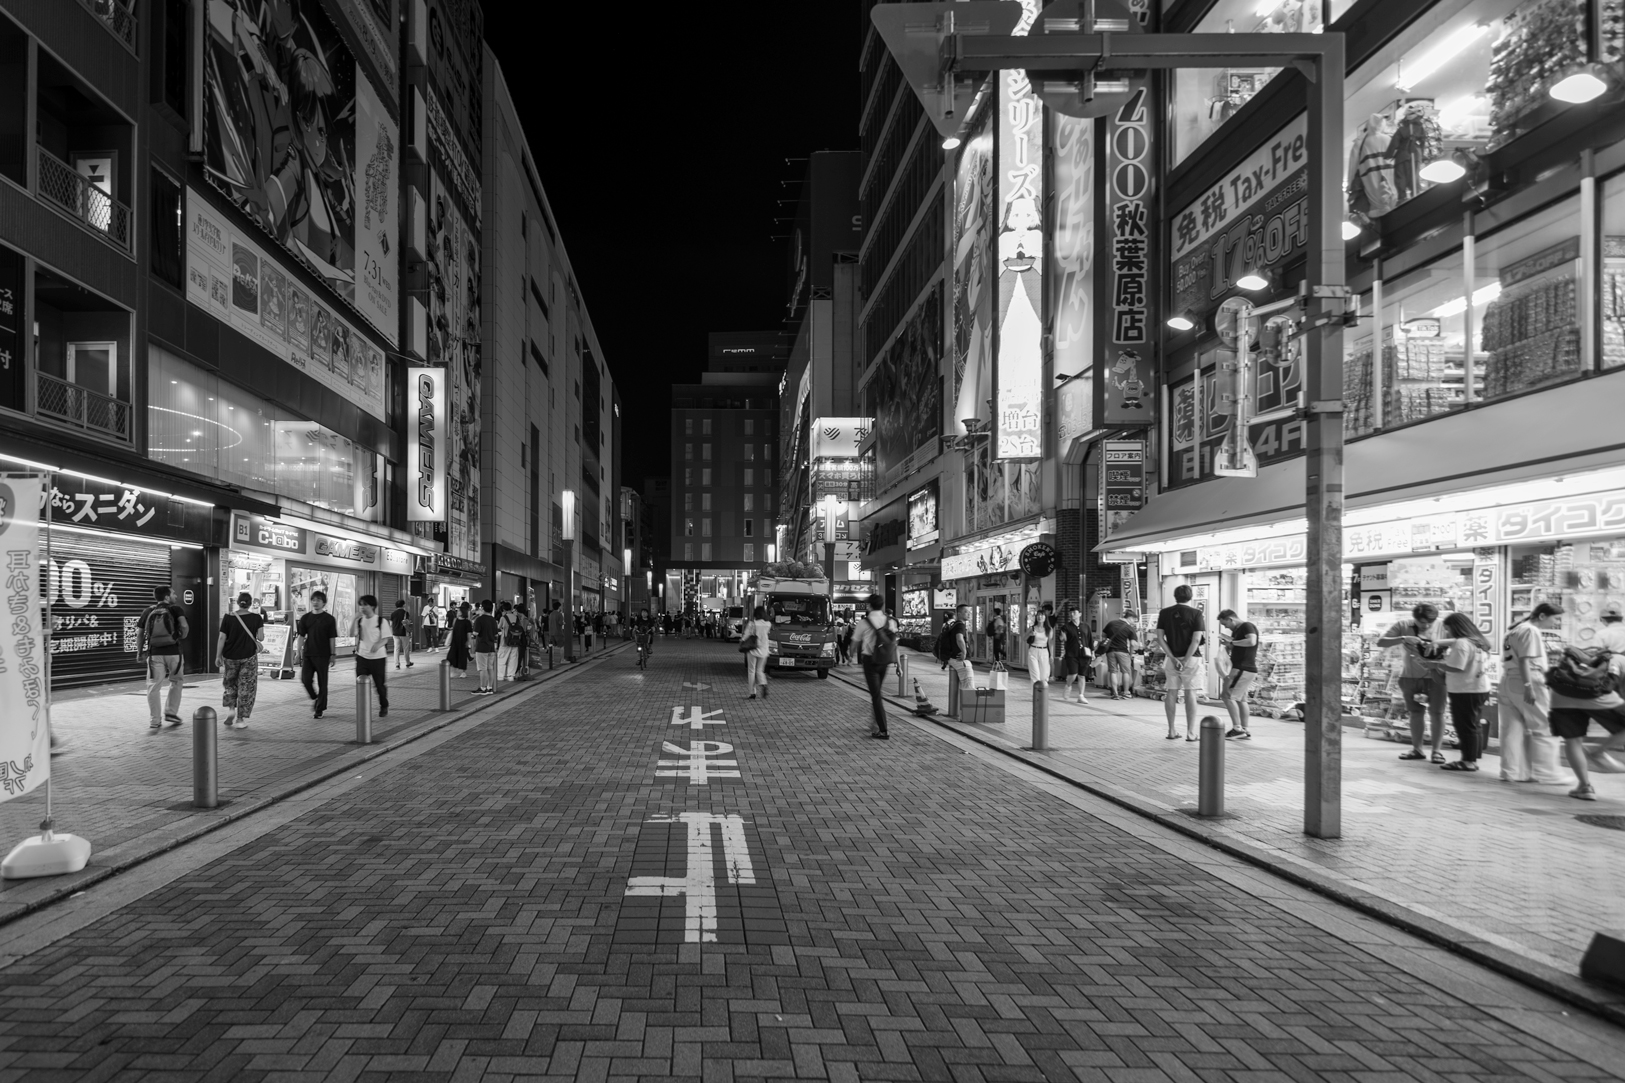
1180,631
486,633
317,632
1119,636
1243,671
400,629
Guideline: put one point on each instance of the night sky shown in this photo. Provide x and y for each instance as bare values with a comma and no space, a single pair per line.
661,134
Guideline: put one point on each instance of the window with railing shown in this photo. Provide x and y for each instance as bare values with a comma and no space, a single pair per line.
117,17
81,358
83,151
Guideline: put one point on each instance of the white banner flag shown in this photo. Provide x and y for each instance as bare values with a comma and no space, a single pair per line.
25,735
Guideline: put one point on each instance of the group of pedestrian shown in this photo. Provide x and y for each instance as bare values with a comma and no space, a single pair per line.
1057,646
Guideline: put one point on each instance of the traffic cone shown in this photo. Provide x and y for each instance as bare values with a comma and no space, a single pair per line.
922,706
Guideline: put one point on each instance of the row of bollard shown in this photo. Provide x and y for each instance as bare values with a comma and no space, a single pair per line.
206,739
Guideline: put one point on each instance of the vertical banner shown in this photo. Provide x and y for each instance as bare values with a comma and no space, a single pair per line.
426,482
1071,273
1124,372
1018,372
1122,482
973,277
13,388
25,732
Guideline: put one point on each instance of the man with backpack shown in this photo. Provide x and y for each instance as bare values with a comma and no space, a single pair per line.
996,627
953,648
1585,689
876,643
162,628
400,629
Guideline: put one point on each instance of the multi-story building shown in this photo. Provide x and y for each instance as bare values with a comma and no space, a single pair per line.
724,454
656,531
551,415
820,426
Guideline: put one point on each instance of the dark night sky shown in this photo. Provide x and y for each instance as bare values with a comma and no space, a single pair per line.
661,134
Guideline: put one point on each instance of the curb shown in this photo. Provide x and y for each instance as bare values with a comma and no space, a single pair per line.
249,806
1600,1001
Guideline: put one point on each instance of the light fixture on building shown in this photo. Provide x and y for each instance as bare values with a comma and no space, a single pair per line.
951,143
1425,65
567,503
1253,281
1182,321
1451,167
1351,229
1580,83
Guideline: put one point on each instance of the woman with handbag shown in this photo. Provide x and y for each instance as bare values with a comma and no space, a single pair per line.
1467,684
457,651
753,645
237,654
508,637
1039,644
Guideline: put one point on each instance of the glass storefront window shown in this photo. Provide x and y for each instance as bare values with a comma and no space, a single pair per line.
1611,250
1526,293
201,423
1423,342
1359,403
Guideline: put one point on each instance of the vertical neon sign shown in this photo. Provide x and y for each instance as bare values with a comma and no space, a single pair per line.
1019,367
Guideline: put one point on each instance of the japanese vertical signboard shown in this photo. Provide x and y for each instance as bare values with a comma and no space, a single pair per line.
25,733
1122,481
1071,278
1124,371
13,391
1019,366
430,441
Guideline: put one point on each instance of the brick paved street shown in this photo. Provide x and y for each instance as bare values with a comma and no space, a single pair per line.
893,910
1507,864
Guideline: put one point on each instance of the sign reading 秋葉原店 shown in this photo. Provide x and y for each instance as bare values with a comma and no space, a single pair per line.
25,736
1255,217
1124,281
1018,367
430,442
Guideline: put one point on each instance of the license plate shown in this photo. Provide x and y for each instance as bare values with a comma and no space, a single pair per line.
787,662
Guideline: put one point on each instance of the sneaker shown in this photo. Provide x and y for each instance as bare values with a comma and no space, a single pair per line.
156,726
229,721
409,665
1233,732
172,719
751,696
1244,735
1584,792
382,711
316,714
242,723
881,736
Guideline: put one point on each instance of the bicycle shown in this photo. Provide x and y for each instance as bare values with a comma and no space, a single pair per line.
643,650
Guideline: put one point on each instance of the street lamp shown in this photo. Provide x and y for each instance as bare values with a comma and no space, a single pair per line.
945,67
626,584
567,501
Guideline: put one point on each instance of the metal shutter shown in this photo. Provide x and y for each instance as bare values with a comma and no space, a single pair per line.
98,588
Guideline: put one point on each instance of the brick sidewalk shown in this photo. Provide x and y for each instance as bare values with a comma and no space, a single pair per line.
1503,864
128,789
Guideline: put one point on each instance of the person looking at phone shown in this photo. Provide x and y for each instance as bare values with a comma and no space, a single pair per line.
1421,681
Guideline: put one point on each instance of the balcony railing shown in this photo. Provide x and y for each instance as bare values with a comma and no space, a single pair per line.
116,16
61,185
82,407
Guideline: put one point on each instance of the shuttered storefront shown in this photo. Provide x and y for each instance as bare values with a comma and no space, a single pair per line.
98,586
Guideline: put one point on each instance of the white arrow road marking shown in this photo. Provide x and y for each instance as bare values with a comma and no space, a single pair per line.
697,719
698,687
699,887
701,764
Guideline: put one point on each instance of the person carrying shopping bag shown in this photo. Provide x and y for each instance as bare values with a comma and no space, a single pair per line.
753,645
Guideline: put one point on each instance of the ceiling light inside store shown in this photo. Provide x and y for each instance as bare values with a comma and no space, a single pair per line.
1580,85
1431,61
1457,306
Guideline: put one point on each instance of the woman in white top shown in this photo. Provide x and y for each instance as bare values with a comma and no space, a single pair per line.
370,642
756,655
1467,684
1039,644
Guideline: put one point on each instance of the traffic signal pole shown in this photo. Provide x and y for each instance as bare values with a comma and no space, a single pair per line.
937,43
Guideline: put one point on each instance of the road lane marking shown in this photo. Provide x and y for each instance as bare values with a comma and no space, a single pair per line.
698,887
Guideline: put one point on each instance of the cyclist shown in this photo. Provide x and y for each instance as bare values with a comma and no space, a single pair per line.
643,627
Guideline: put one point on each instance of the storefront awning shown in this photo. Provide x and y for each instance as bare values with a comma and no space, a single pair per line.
1574,428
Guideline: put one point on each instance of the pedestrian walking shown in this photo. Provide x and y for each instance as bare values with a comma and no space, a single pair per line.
237,656
487,634
557,629
1467,685
876,643
1119,636
586,637
508,637
1039,645
1529,751
953,647
459,652
1181,631
1243,646
372,648
431,627
753,645
527,635
400,628
163,629
996,629
317,632
1585,689
1612,635
1421,680
1074,657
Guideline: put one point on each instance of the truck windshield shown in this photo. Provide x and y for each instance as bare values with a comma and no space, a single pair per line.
802,610
736,612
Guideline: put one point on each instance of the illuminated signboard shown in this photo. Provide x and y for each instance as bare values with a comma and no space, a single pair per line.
1018,407
426,481
922,517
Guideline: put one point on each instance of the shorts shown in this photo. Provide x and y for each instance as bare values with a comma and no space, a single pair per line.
1237,683
1070,666
1574,721
1120,662
1193,677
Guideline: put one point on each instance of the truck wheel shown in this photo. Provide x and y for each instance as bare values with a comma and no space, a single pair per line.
823,674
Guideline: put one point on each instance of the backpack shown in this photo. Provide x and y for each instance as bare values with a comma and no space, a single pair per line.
884,652
158,631
1581,674
947,642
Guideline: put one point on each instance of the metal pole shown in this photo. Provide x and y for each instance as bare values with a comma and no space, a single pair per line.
1323,459
363,711
569,600
953,692
1040,716
902,674
205,759
445,684
1210,770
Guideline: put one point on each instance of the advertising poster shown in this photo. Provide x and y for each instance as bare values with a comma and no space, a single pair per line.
922,517
25,730
1255,217
373,23
283,108
1125,370
973,277
236,282
457,65
454,341
1071,274
377,233
906,391
1018,370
